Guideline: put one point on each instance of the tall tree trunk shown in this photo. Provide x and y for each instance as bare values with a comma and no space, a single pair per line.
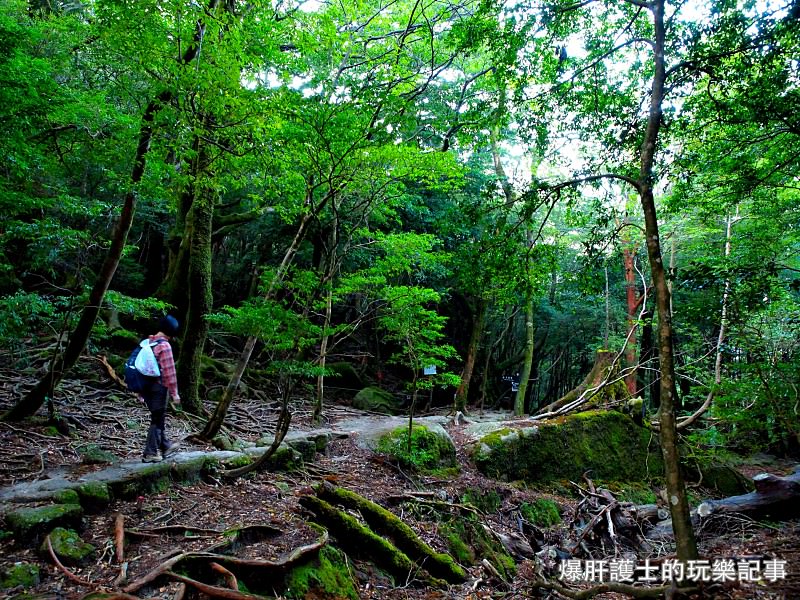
199,298
478,323
676,491
34,399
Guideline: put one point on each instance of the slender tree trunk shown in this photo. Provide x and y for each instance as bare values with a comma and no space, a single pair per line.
525,375
676,491
723,326
478,323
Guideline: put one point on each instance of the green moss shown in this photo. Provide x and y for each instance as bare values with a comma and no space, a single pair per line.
326,577
66,497
19,574
486,501
607,443
542,512
31,524
68,546
241,460
469,542
51,431
94,495
429,450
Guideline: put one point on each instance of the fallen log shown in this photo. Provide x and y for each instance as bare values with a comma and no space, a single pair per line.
646,513
773,496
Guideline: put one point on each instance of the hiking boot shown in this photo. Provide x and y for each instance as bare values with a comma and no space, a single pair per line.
152,458
170,449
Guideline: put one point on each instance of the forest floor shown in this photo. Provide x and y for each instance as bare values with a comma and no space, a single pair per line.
117,422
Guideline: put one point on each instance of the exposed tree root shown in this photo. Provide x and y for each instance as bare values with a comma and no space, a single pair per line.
385,522
202,562
364,542
70,575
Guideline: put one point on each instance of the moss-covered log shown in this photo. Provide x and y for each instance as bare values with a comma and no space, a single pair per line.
385,522
365,543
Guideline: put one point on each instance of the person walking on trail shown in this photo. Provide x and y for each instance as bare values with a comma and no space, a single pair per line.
157,446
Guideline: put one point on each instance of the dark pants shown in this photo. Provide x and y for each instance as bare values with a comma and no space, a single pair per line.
155,397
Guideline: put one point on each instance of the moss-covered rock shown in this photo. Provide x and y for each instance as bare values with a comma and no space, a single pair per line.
94,496
67,496
430,449
21,574
30,525
92,454
542,512
607,443
374,399
68,547
325,578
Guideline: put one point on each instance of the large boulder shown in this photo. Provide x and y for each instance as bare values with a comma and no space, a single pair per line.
607,444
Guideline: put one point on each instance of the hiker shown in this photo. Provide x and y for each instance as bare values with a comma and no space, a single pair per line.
155,394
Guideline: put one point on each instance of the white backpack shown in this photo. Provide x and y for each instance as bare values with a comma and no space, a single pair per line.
146,362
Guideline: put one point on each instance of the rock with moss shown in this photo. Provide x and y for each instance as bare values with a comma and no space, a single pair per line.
92,454
607,443
374,399
94,496
542,512
68,547
30,525
718,476
325,578
67,496
431,447
19,575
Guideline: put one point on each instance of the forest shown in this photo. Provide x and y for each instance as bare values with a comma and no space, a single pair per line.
476,299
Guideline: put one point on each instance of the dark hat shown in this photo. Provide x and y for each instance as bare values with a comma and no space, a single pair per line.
169,325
